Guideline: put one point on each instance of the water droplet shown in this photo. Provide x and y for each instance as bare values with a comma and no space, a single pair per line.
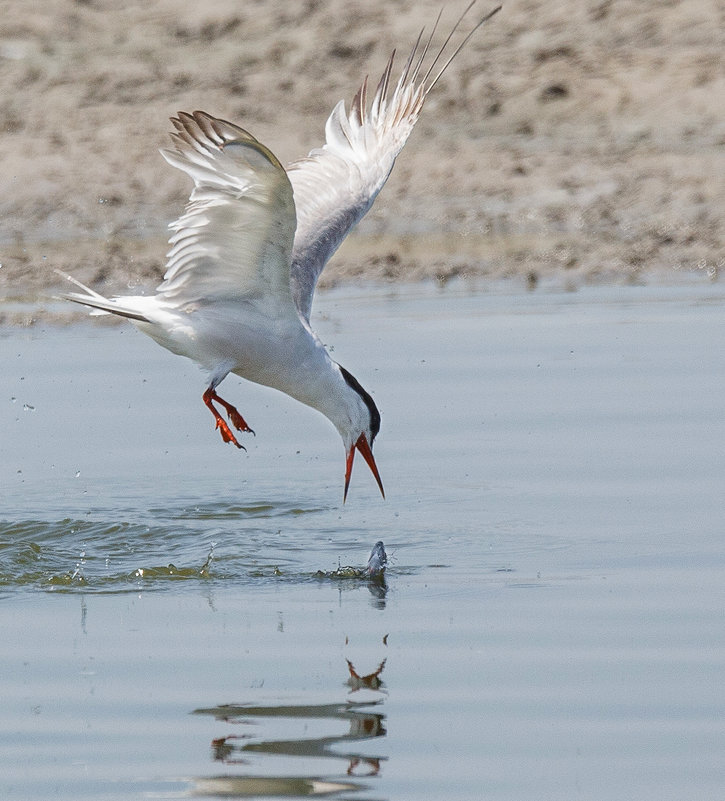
78,473
28,408
207,565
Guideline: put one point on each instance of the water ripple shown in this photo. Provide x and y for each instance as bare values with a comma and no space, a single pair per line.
175,546
232,511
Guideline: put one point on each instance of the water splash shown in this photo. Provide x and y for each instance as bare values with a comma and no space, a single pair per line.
206,567
77,574
128,550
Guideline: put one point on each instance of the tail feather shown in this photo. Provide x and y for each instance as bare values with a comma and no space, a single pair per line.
97,302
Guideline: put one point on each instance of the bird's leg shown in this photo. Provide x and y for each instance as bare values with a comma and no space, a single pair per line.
237,420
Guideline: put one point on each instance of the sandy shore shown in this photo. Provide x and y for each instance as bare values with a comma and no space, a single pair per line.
570,141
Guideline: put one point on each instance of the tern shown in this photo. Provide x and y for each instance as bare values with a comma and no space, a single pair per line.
247,251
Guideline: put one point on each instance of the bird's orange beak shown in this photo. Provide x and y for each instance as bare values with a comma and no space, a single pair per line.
365,450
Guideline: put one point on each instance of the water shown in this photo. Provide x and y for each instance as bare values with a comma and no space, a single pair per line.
551,624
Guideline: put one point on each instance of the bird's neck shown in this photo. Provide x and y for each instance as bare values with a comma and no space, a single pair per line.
321,384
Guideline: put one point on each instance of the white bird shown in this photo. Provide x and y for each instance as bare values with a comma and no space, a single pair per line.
247,252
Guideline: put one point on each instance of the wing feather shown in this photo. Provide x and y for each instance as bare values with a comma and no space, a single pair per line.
335,185
234,240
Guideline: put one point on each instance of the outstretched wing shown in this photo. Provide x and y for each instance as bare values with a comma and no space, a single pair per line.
335,185
234,240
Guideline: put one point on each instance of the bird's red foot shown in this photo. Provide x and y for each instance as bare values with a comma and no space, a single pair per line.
226,433
237,420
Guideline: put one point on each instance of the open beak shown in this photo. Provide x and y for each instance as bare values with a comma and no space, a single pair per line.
365,450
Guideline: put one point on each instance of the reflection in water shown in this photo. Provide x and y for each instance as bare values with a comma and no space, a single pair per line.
370,682
244,749
260,786
378,589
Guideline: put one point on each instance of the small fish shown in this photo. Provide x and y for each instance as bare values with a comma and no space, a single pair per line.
374,569
377,561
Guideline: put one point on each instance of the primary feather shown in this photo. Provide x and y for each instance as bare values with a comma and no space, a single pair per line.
335,185
235,238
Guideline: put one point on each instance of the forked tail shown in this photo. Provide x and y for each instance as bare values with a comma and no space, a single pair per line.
98,303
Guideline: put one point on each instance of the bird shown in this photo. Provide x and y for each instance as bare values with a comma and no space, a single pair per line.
246,253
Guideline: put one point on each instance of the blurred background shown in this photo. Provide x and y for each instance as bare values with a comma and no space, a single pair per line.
571,141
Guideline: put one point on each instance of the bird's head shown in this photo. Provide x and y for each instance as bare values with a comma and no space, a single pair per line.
360,430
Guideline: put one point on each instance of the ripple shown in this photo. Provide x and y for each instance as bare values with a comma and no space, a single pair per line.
234,511
171,550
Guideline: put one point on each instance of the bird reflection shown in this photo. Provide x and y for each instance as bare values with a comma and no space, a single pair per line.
223,749
370,682
245,748
364,725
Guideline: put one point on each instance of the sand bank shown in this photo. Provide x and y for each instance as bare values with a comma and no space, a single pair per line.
570,141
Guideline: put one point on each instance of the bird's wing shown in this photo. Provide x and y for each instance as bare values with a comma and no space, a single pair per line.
234,240
335,185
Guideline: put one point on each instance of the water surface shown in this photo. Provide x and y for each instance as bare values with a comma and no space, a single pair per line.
551,621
